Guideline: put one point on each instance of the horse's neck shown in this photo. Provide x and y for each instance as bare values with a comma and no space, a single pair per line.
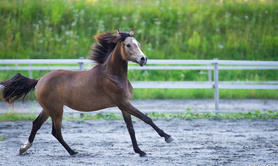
115,64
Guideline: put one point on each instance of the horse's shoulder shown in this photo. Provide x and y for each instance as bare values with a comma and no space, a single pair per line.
118,86
114,81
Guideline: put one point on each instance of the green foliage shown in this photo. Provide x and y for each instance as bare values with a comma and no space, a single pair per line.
214,116
203,94
17,117
166,29
179,29
103,116
188,115
3,138
97,116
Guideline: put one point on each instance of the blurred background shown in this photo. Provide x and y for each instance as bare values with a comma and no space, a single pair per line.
176,29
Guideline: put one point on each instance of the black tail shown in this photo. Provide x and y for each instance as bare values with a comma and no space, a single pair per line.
16,87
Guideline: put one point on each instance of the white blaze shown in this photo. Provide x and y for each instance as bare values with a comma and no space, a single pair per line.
136,43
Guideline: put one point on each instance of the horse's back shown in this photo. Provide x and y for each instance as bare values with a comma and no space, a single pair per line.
55,80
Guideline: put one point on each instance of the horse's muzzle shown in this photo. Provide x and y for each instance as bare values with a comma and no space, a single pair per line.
143,61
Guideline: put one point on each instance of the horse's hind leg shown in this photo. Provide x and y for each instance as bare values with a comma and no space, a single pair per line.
56,132
131,131
37,123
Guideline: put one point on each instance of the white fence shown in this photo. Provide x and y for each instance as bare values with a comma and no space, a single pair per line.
211,65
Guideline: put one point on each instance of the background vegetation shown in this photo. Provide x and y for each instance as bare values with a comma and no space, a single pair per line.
168,116
178,29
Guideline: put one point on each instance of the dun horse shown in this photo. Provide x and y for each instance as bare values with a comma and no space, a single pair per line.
105,85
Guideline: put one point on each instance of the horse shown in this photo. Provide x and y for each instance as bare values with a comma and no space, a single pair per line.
105,85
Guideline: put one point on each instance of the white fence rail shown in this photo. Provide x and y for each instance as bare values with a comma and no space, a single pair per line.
211,65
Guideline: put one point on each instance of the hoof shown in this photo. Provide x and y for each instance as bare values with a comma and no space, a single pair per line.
25,147
143,154
73,153
21,151
168,140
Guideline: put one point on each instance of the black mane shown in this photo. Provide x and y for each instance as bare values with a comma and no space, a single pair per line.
106,42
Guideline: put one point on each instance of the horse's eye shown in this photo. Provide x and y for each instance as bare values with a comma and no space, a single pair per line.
128,45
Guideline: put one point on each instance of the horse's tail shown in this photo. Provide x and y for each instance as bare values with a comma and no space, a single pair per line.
16,87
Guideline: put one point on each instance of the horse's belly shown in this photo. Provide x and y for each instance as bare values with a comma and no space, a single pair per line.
90,105
89,109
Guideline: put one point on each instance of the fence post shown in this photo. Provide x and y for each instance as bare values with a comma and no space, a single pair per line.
81,64
30,71
216,90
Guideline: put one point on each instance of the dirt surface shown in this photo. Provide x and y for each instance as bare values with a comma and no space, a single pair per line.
198,142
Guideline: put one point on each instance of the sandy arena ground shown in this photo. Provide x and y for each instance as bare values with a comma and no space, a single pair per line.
197,142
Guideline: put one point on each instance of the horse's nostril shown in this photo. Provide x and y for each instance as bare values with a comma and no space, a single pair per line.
143,61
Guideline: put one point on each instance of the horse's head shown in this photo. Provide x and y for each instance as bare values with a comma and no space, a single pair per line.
131,51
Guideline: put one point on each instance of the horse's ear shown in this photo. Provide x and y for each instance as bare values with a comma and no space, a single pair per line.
118,31
131,33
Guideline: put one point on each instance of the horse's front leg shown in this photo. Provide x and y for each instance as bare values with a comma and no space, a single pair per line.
127,107
128,121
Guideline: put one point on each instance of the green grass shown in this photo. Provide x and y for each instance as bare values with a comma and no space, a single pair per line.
155,116
185,116
17,117
203,94
167,29
214,116
97,116
179,29
3,138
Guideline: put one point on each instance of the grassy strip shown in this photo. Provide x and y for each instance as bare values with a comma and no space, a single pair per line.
186,116
214,116
204,94
2,138
155,116
17,117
